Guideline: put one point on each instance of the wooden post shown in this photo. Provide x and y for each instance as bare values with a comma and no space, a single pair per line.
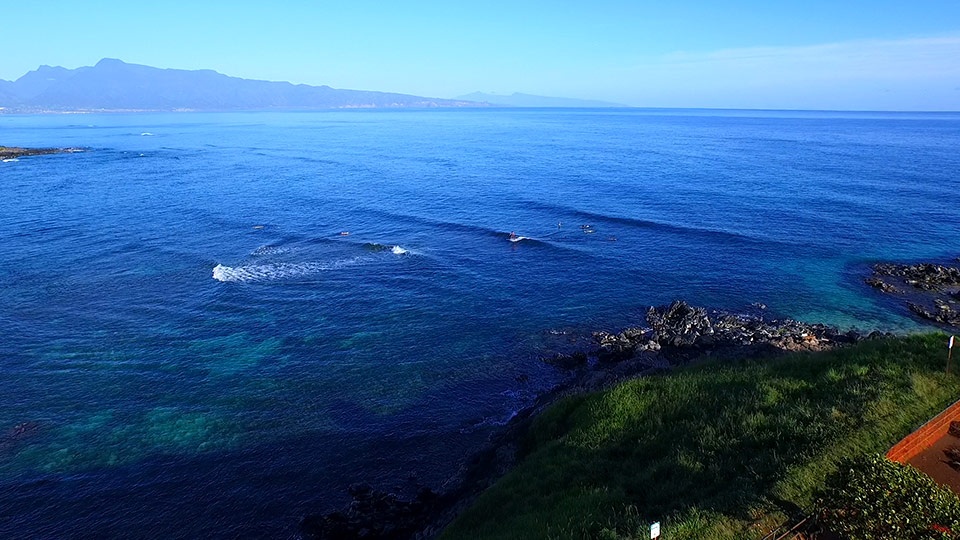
949,353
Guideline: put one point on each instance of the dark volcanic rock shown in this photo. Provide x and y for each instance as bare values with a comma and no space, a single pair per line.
10,152
943,314
878,283
927,276
373,514
681,331
682,326
931,291
614,347
376,514
567,361
679,324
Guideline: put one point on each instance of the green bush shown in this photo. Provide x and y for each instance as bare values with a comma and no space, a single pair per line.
871,497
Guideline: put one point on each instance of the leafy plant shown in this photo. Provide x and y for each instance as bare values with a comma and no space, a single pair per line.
872,497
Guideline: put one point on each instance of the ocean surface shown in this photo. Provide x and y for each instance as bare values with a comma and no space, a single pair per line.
192,347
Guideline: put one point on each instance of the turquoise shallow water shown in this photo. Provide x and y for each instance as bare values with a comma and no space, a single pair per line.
193,349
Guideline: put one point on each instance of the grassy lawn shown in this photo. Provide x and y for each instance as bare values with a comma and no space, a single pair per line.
713,451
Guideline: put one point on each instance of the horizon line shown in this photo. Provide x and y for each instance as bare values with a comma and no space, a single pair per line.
22,111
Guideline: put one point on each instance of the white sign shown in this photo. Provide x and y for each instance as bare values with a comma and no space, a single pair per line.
655,531
950,345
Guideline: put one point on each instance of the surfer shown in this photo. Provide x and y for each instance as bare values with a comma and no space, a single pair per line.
513,236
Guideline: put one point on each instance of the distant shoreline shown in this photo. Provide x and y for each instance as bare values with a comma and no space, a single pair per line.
674,335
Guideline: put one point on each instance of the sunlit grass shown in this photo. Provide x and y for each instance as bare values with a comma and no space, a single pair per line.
716,451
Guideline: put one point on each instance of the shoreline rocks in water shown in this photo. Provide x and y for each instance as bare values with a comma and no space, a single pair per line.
680,333
374,514
675,333
13,152
931,291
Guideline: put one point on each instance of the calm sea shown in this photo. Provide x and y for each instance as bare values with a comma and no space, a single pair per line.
192,347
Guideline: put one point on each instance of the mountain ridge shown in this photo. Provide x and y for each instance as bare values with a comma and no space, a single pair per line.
112,84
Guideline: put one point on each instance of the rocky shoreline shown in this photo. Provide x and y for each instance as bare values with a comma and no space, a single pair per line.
13,152
680,333
931,291
675,334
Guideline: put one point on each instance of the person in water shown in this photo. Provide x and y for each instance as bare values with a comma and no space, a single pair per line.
513,235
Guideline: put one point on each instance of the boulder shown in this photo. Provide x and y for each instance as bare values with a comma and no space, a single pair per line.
678,324
614,347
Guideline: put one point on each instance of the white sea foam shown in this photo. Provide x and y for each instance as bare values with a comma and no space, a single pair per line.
397,250
270,250
491,421
270,272
146,134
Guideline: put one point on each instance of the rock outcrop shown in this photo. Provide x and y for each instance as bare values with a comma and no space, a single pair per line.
925,276
679,332
931,291
682,329
12,152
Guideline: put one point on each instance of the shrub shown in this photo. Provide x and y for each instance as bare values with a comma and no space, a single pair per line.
871,497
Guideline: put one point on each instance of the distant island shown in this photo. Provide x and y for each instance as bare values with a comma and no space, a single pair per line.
114,85
527,100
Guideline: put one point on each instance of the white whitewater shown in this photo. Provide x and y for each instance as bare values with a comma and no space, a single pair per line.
270,272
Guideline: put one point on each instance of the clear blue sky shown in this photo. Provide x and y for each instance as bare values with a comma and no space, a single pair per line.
834,54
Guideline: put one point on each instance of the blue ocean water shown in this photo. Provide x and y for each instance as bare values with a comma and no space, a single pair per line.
193,349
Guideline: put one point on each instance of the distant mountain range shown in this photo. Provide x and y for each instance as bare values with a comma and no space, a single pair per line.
527,100
116,85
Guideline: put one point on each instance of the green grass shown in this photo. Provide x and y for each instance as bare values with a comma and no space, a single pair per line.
714,451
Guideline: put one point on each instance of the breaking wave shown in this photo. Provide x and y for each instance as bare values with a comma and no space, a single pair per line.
269,272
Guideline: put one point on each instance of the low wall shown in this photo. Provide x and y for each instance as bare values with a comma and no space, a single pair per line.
926,435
